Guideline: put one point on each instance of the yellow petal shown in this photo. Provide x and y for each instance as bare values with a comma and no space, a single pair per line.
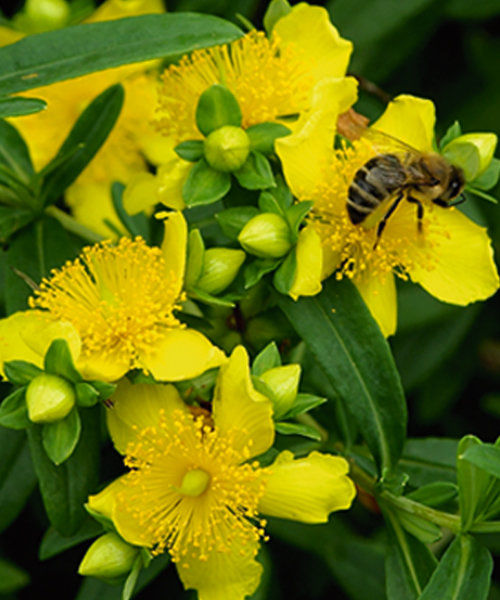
104,502
306,153
136,407
315,41
331,260
181,354
307,489
238,408
309,255
171,177
118,9
9,36
157,148
411,120
104,367
141,193
27,336
455,263
174,247
91,205
231,575
379,294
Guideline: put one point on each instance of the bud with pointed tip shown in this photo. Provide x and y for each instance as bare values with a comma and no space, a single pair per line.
49,398
284,383
227,148
473,152
267,236
109,557
220,267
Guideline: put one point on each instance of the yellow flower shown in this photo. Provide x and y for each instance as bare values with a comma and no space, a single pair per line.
451,257
132,138
121,301
273,79
193,490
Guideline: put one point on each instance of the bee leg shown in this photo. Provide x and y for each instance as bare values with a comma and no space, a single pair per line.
420,211
383,222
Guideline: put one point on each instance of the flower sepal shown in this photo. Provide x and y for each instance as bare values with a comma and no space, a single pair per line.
275,11
472,152
217,107
263,135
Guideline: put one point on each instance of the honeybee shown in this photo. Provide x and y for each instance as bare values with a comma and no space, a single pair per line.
401,172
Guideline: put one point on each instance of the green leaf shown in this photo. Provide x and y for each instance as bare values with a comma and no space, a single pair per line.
420,528
284,277
452,132
263,135
232,220
135,224
216,108
191,150
195,254
277,200
427,460
296,214
204,185
434,494
484,456
130,583
462,574
209,299
86,395
12,578
84,140
16,107
14,412
20,372
105,389
13,218
17,477
348,345
61,437
256,270
65,488
408,564
266,359
303,403
489,178
298,429
58,361
53,543
44,58
275,11
481,194
256,173
14,153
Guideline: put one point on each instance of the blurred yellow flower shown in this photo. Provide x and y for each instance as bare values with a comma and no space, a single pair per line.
451,257
192,489
132,139
120,300
273,79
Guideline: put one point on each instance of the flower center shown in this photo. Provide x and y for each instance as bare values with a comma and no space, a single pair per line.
268,83
119,298
188,491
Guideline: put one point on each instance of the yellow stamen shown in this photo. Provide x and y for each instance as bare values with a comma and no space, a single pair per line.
268,83
188,491
119,298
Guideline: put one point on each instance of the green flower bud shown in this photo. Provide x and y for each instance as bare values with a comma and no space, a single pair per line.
108,557
220,267
284,384
45,15
473,152
227,148
267,236
49,398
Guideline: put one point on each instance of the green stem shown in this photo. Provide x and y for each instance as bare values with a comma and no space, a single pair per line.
73,226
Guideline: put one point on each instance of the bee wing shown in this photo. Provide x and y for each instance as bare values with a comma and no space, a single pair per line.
386,143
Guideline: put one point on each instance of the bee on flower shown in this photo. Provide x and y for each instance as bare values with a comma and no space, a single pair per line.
195,488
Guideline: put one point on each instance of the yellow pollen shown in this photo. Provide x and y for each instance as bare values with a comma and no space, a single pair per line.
394,251
119,298
188,491
194,482
268,83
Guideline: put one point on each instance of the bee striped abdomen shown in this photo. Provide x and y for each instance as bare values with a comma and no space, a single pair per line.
374,182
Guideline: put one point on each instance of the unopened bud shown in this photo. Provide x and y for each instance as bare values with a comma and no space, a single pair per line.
109,557
473,152
45,15
284,384
49,398
220,267
267,236
226,149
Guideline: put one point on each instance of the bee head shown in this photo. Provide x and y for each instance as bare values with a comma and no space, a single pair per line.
456,183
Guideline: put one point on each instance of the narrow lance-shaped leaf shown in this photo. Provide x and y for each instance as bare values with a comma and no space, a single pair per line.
348,345
16,107
44,58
